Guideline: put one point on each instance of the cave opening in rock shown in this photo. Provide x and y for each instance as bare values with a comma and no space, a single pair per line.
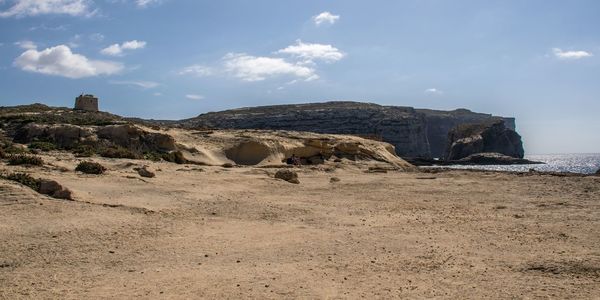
248,153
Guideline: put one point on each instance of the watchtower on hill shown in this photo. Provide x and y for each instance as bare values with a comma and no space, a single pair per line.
86,102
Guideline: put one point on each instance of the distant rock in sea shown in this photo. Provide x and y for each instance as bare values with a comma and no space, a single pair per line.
468,139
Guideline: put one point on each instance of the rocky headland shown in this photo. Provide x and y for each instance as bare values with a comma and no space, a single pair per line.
415,133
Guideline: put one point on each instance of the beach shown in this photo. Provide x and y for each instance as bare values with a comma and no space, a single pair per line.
213,232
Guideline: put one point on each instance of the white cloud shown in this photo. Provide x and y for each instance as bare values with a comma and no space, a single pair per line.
311,52
196,70
118,50
97,37
194,97
253,68
433,91
22,8
325,17
570,54
145,3
26,44
60,61
142,84
157,94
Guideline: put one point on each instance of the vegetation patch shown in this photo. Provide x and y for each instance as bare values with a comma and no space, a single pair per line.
89,167
43,146
84,151
175,157
119,152
24,179
25,159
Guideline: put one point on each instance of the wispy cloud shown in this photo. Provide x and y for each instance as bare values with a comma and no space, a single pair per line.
61,61
26,44
570,55
145,3
119,50
258,68
142,84
196,70
22,8
325,17
433,91
194,97
311,52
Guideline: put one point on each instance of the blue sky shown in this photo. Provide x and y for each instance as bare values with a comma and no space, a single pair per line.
536,60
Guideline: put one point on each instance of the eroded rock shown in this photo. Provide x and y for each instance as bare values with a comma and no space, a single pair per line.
287,175
54,189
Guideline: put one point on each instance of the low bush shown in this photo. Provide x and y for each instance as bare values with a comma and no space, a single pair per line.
24,179
153,156
24,159
84,151
43,146
175,157
119,152
89,167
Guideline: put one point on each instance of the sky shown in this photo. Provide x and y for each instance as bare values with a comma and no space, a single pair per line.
535,60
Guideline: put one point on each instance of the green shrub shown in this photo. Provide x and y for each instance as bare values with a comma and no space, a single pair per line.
89,167
24,179
153,156
83,151
24,159
44,146
175,157
119,152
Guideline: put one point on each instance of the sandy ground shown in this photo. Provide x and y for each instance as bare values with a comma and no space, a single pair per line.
212,232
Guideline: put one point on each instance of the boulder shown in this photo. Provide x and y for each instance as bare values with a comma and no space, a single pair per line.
287,175
54,190
144,172
465,140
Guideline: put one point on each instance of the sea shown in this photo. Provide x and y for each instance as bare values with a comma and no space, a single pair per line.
586,163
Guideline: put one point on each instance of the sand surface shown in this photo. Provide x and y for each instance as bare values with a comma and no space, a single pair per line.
212,232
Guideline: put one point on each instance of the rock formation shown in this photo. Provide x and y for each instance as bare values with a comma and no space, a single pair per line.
440,123
467,139
414,132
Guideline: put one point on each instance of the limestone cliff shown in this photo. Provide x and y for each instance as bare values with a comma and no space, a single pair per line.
402,127
414,132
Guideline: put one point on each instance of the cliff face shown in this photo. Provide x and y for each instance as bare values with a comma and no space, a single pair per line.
440,123
401,126
493,136
414,132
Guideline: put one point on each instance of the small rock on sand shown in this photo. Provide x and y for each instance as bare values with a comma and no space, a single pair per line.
287,175
334,179
144,172
54,190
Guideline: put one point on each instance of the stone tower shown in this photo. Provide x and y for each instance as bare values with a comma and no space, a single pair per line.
86,102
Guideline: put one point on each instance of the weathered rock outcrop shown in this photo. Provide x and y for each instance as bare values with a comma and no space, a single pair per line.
465,140
414,132
67,136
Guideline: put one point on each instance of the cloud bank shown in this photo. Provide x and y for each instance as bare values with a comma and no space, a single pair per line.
61,61
23,8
